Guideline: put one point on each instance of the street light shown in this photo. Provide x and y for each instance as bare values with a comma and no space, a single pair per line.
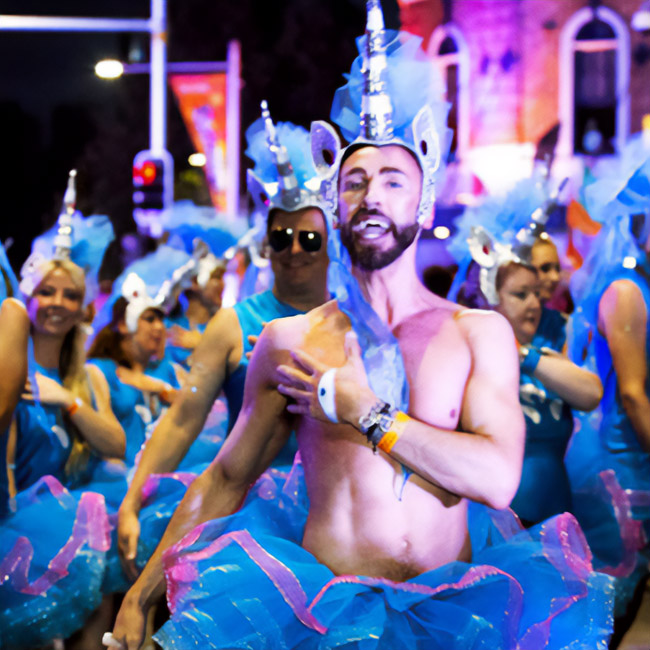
641,17
109,69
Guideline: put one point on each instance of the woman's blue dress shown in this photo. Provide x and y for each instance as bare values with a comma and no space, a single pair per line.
544,490
53,543
610,473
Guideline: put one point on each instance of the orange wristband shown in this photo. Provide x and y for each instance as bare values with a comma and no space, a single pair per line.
165,396
389,439
74,407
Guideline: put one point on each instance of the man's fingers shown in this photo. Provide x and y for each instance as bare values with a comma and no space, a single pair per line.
293,376
309,363
299,409
295,393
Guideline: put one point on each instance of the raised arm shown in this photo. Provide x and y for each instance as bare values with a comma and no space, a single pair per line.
259,433
14,334
182,423
623,318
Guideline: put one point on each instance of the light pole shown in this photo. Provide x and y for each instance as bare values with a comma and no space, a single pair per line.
155,26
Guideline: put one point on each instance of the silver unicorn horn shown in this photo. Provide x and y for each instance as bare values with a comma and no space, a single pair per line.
63,238
287,181
376,107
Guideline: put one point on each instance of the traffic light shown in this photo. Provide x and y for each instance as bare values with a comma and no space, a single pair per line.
148,182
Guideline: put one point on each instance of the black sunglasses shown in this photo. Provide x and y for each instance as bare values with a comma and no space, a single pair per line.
282,238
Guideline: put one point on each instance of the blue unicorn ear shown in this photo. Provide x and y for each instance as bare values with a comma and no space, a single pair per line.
325,147
258,191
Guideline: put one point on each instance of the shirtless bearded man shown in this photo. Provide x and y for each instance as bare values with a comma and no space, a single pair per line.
462,440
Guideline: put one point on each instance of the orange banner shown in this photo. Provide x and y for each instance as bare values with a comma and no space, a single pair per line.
202,102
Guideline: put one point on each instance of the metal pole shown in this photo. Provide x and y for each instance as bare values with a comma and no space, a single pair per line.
158,76
233,90
73,24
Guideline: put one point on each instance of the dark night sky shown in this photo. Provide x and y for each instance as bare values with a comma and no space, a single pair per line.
55,113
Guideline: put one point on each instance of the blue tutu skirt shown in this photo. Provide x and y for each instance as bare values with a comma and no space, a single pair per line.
52,561
611,500
161,495
245,582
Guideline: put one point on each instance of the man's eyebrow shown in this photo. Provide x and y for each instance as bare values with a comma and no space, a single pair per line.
383,170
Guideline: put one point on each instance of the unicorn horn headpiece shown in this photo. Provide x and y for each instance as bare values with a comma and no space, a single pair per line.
394,96
284,176
63,239
490,254
81,240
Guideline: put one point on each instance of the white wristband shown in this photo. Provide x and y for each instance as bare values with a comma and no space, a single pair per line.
327,394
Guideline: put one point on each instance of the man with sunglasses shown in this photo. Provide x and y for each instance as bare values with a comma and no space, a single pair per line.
297,250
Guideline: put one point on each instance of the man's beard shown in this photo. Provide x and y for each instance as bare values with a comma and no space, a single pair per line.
369,258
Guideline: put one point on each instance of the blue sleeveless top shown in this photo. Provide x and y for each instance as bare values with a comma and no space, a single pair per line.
131,409
252,312
616,432
544,490
42,444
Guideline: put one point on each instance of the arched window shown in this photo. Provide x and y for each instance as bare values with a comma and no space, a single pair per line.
594,83
449,49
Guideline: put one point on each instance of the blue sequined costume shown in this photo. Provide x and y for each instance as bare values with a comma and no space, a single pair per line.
544,490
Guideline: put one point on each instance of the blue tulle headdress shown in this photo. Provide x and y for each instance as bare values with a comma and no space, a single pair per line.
149,282
284,175
184,222
394,96
621,194
501,230
82,240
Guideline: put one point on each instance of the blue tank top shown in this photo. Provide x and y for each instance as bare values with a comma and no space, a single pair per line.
616,432
544,490
42,443
129,405
252,312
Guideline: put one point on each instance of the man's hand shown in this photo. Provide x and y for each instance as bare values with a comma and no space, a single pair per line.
354,397
130,623
128,533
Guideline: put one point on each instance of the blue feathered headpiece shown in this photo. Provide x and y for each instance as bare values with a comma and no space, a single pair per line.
147,282
185,222
621,192
82,240
394,95
284,175
501,230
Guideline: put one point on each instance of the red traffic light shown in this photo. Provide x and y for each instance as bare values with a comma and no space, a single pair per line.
147,173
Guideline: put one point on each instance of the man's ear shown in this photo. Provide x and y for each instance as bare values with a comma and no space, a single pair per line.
428,222
122,328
